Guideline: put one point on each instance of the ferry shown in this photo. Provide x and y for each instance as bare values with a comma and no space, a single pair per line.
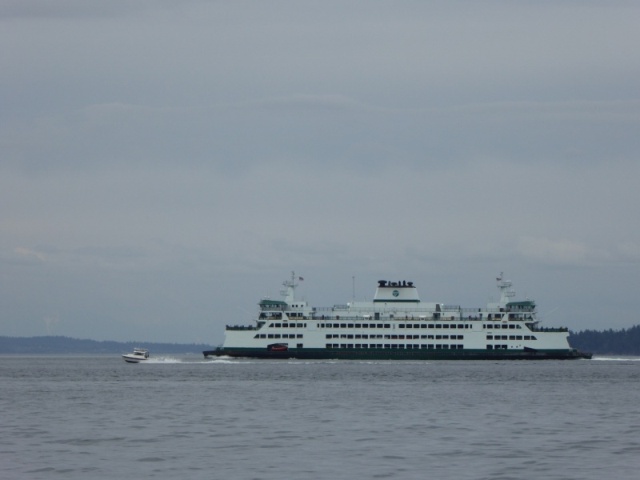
396,325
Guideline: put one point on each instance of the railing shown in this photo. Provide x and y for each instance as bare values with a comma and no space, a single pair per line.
549,329
360,319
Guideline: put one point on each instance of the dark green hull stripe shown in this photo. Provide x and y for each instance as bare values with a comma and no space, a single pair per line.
396,301
397,354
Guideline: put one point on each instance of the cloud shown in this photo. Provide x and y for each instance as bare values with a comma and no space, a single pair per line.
50,323
629,251
560,251
310,102
74,9
157,154
30,255
323,131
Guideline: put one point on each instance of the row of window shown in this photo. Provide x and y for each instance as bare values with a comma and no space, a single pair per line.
408,346
512,316
396,337
396,347
445,326
400,325
504,326
278,335
288,325
433,316
434,325
511,337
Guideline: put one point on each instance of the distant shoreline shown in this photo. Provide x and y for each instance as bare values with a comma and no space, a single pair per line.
55,345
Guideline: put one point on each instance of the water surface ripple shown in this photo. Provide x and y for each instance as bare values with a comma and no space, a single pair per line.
99,418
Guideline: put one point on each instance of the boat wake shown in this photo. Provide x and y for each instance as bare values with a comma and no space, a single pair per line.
157,360
163,360
224,360
616,359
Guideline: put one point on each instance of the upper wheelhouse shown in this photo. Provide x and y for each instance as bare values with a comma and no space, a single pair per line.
288,309
396,300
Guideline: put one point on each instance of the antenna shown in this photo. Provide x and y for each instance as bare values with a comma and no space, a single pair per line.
505,289
291,285
353,296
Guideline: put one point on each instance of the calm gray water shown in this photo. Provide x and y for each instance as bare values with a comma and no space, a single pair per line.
186,418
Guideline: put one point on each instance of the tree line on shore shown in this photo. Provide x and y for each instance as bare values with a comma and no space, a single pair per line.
608,342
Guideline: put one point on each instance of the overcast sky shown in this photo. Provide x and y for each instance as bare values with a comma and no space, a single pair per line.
165,165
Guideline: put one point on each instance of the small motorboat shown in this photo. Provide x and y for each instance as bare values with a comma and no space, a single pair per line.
138,355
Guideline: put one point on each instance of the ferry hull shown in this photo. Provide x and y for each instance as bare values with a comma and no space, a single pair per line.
398,354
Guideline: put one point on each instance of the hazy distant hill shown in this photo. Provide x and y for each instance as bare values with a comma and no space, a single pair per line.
67,345
608,342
